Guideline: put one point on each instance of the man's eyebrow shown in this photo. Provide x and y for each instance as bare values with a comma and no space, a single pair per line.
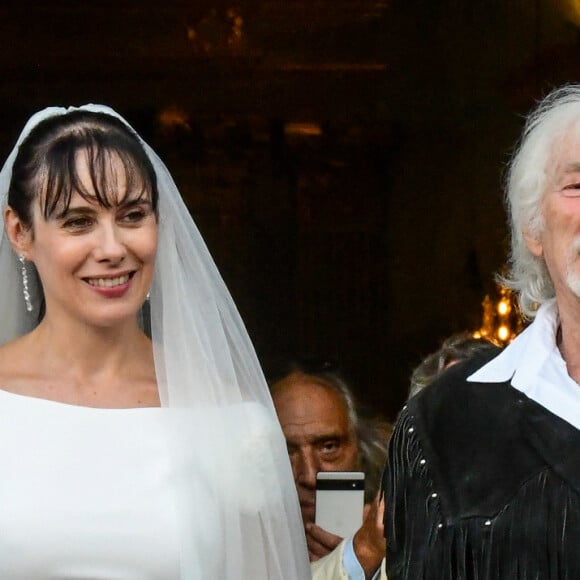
326,436
572,167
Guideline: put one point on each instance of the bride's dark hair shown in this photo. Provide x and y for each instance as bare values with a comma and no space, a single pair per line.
46,164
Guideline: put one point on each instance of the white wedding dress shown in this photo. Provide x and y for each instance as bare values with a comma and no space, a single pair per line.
90,493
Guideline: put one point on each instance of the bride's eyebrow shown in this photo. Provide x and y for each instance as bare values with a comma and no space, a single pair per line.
79,210
134,202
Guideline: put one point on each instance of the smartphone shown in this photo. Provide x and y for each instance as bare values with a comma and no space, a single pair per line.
340,497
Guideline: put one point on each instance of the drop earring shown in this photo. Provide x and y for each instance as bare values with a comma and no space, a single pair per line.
25,290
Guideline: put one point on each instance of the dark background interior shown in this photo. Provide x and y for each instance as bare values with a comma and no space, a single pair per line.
342,158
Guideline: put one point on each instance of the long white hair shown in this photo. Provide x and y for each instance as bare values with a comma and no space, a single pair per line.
556,116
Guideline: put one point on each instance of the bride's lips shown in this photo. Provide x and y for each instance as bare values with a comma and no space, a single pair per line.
110,286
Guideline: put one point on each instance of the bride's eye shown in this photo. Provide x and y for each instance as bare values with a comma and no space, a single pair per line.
134,216
78,223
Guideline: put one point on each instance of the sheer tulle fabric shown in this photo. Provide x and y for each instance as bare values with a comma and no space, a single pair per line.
207,368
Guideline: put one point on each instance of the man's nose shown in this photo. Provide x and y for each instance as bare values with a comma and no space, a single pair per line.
306,469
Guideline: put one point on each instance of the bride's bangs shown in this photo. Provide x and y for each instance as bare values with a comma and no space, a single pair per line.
115,176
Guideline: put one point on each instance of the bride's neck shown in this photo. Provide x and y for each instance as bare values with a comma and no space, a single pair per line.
87,350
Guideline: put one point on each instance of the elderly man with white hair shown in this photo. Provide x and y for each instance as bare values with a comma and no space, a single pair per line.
483,475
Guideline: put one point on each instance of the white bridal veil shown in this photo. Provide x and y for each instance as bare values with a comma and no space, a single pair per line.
237,503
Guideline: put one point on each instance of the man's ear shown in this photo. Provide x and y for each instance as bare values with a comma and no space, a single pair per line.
18,233
533,242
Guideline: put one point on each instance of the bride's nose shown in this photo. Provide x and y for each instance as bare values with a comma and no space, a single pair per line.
110,245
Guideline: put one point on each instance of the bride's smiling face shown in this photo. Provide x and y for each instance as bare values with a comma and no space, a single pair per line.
95,252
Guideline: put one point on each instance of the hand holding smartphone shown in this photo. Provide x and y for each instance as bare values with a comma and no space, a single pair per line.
340,501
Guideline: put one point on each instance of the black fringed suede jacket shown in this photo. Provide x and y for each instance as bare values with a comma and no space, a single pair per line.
481,483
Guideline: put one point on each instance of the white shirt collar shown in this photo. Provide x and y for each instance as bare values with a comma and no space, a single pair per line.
533,364
524,357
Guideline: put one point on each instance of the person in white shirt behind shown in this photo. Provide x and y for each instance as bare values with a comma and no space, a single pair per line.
324,432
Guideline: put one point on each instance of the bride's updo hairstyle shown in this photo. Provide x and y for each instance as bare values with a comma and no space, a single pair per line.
46,164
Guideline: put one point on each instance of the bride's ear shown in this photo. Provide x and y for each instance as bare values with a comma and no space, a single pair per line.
18,233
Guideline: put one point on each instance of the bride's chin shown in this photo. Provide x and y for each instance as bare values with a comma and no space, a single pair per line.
113,316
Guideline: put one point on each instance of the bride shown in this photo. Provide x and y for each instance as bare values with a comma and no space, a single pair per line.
138,438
